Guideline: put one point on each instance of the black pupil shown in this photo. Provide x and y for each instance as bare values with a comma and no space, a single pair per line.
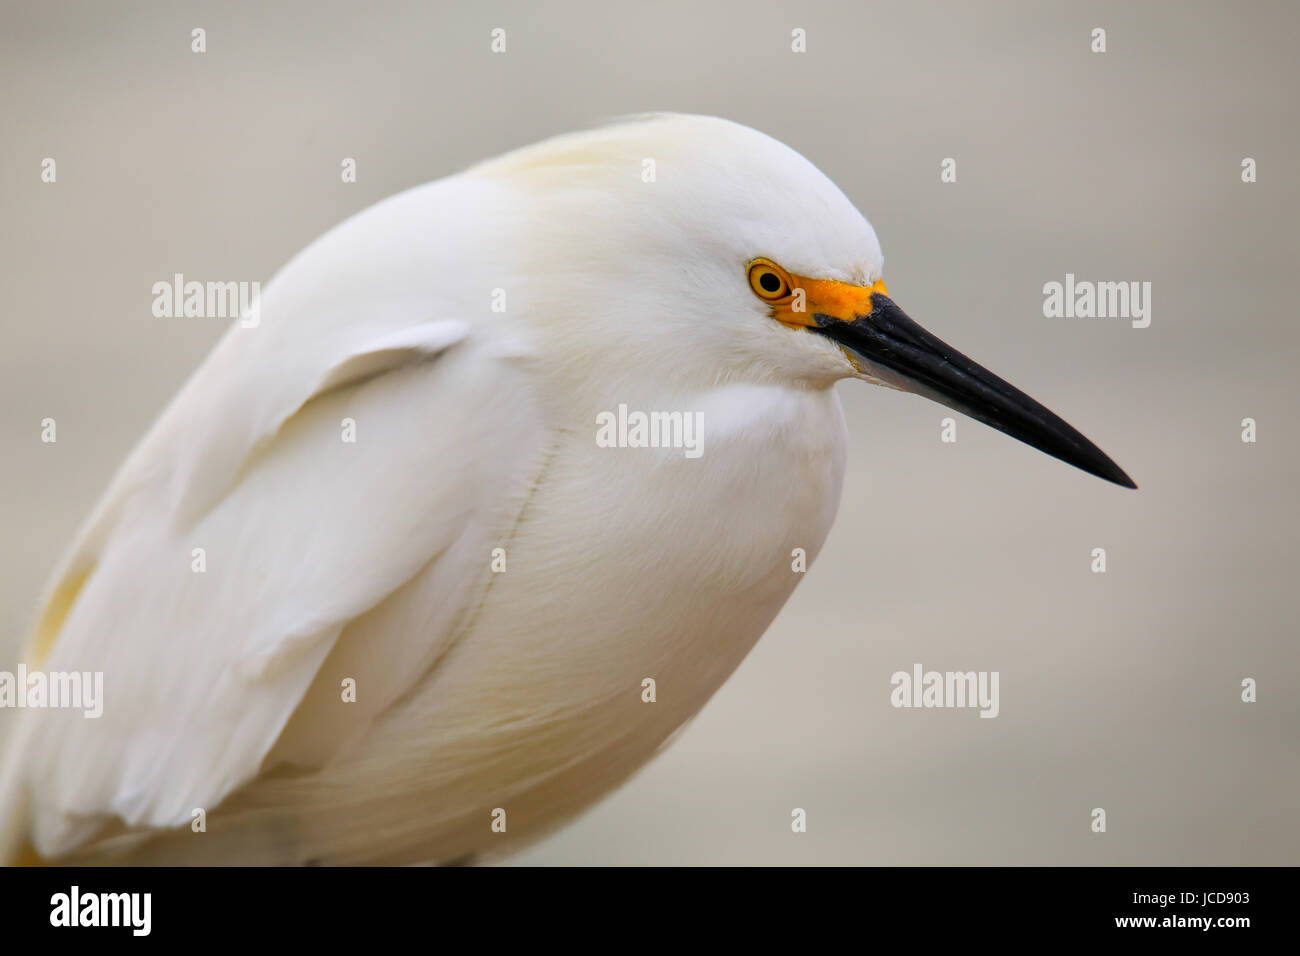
769,282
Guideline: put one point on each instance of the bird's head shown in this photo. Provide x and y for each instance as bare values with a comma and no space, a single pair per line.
700,250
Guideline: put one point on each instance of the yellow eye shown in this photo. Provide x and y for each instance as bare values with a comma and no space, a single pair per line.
768,280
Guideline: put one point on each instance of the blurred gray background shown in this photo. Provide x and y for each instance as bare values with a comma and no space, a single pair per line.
1118,690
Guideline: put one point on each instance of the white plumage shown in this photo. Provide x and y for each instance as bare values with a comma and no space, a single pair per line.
475,430
371,560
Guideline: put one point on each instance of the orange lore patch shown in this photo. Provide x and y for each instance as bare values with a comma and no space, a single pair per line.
812,297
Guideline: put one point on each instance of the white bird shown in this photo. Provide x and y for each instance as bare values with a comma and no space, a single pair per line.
495,582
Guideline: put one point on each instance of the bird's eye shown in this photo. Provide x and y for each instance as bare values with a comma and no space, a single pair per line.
768,280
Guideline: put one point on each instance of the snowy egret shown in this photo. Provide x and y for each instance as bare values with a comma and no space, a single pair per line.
386,581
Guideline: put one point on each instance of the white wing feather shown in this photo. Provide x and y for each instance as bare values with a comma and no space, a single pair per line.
301,531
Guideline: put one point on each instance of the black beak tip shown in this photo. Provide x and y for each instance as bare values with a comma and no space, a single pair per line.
1078,451
1085,456
1094,461
1120,478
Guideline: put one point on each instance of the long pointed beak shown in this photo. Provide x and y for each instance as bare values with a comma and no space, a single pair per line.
900,353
